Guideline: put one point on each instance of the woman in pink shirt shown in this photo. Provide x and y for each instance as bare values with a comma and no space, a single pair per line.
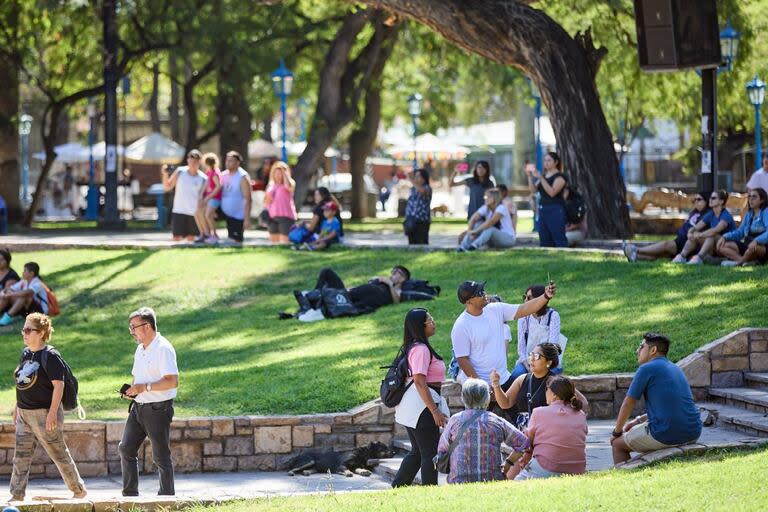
422,411
558,434
279,203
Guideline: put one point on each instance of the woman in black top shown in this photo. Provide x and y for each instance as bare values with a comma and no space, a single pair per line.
480,181
528,391
551,186
8,276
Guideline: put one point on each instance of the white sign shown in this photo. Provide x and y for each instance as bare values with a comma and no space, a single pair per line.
111,158
706,162
704,125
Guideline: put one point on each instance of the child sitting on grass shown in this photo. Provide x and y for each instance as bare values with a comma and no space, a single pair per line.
329,229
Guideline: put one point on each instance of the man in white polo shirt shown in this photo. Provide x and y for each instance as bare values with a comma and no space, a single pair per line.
478,337
155,380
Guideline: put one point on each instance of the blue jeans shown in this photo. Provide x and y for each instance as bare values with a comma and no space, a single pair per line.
552,225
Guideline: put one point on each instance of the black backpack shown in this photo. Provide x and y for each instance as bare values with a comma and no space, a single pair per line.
393,387
70,400
337,303
416,289
575,208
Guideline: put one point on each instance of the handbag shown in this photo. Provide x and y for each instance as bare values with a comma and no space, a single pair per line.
337,303
442,461
299,234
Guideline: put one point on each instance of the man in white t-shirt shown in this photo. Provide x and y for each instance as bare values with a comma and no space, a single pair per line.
189,183
497,229
25,296
478,335
759,178
155,380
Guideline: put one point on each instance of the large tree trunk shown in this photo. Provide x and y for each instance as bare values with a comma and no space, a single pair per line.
266,128
563,68
342,82
173,109
234,114
361,140
49,128
10,179
154,112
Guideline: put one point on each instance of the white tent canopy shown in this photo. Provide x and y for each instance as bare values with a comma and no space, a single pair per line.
154,148
261,148
430,146
297,148
69,153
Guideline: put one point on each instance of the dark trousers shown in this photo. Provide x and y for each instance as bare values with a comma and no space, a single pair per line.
420,234
552,226
424,439
235,229
154,421
330,279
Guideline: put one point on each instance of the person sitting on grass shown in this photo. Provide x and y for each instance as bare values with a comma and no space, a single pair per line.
477,434
24,297
672,417
329,229
747,244
669,248
558,435
707,231
487,233
322,196
8,276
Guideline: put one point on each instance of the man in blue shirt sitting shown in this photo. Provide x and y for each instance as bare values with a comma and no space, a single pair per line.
672,417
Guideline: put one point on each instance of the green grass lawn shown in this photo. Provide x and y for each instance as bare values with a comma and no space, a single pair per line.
218,307
722,481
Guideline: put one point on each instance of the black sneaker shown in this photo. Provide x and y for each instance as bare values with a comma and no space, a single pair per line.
304,304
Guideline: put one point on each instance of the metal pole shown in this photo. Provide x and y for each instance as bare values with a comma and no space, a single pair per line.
415,133
758,143
539,152
92,199
282,125
709,128
622,142
111,76
25,168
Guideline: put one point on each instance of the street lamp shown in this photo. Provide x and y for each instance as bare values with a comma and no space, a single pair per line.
756,93
414,109
25,128
729,45
536,94
92,199
282,85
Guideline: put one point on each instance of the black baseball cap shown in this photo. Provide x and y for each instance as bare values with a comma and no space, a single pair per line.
470,289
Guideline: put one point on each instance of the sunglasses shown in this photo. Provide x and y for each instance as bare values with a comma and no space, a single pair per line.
527,297
753,196
699,199
715,197
535,356
27,330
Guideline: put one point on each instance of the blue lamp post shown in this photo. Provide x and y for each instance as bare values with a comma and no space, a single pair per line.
537,127
282,85
92,199
414,109
25,128
756,93
729,45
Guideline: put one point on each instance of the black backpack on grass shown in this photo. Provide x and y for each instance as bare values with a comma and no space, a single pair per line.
416,289
393,387
69,401
575,207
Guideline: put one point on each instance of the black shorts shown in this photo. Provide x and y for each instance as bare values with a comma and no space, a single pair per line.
280,225
680,242
743,248
34,307
183,225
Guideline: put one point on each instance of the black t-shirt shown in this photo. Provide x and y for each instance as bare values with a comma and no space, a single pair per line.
371,296
10,276
33,383
546,198
318,212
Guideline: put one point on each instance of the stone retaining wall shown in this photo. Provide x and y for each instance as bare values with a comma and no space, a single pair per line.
264,443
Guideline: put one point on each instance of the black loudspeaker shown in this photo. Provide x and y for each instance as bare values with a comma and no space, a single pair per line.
677,34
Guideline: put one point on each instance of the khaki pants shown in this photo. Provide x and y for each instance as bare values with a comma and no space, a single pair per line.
30,430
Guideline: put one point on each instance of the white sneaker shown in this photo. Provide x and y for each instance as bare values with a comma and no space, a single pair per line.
695,260
729,263
312,315
678,259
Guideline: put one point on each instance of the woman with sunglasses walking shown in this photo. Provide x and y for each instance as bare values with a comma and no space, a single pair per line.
39,415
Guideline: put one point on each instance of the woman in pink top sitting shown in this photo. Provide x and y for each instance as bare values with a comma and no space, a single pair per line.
279,203
422,411
558,434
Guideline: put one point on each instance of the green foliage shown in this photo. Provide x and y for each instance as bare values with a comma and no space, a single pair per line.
218,308
725,481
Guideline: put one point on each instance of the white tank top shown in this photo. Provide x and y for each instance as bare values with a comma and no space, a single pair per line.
187,191
232,203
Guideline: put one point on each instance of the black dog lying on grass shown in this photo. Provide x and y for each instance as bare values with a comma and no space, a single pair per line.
342,463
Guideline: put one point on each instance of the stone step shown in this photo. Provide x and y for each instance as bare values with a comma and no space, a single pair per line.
739,419
756,380
402,444
755,400
387,468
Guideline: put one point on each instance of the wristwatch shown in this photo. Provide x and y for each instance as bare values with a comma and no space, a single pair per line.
149,386
616,434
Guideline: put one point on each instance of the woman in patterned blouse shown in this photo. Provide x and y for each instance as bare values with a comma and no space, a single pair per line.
417,212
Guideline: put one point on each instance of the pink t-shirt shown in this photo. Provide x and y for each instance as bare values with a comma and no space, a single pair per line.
421,362
210,184
282,202
558,433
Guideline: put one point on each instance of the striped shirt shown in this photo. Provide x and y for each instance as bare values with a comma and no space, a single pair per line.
477,457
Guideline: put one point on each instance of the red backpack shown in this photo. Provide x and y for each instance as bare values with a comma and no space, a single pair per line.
51,300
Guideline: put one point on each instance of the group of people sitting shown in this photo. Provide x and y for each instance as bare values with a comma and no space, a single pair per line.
20,295
710,234
538,413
